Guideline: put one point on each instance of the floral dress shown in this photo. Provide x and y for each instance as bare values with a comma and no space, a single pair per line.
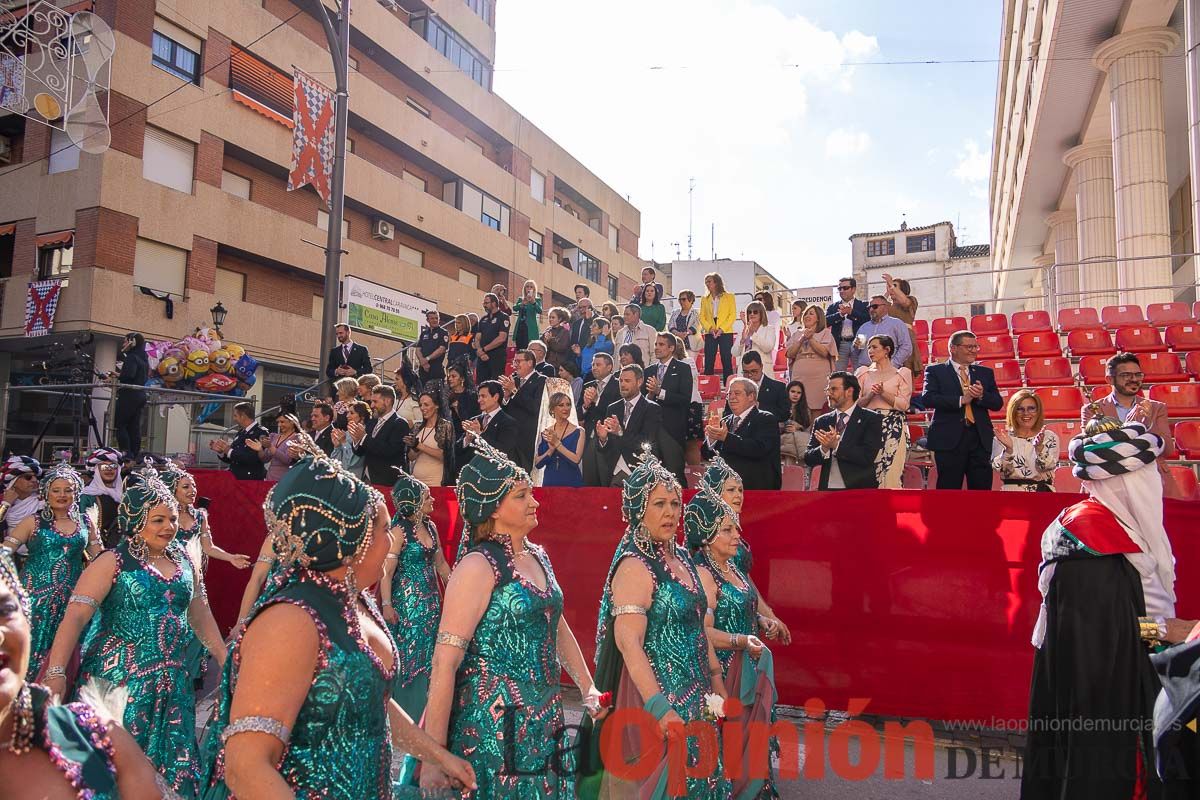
138,639
1031,464
54,564
418,605
507,715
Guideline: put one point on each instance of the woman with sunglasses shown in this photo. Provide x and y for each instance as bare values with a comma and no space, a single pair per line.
1025,451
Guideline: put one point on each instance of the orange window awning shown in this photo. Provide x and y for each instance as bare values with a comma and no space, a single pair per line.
52,239
9,229
260,86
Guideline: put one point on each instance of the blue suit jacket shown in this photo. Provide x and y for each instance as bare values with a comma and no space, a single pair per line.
834,318
942,392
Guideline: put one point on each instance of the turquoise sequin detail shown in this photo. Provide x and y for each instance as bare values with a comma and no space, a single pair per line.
736,611
137,640
54,564
507,716
418,605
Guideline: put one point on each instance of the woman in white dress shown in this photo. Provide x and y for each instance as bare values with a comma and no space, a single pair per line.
757,334
1025,451
431,445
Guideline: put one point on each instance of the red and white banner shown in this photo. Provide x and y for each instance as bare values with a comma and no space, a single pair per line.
312,135
40,305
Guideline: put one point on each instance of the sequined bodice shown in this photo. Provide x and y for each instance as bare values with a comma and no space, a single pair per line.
54,555
675,642
416,601
518,634
186,535
736,611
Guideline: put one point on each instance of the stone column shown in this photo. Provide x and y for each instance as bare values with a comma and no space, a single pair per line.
1192,48
105,361
1064,228
1095,209
1133,62
1037,298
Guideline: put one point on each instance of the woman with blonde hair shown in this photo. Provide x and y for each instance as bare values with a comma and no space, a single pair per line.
347,392
288,426
757,335
1025,451
459,350
810,353
718,311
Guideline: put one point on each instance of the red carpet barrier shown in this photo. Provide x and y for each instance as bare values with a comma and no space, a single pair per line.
921,602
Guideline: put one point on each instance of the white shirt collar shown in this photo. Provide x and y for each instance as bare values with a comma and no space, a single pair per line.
251,426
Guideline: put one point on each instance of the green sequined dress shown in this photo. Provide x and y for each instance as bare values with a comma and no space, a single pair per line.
677,648
197,655
77,743
340,746
137,639
418,604
54,564
507,716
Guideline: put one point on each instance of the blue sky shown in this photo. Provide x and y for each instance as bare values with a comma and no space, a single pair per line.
792,149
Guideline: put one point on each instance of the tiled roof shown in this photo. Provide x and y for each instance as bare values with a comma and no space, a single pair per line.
909,229
971,251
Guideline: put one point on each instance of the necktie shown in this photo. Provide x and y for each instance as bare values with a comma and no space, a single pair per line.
628,335
628,411
841,424
346,352
486,419
965,380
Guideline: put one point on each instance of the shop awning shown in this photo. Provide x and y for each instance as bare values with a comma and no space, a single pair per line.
9,229
51,239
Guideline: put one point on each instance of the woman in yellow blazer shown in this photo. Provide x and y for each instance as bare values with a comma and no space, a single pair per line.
718,311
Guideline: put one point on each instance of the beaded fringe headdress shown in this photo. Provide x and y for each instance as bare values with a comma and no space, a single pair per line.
702,517
637,487
62,471
482,484
145,491
10,578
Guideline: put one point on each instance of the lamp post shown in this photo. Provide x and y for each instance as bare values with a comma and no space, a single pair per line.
339,50
218,316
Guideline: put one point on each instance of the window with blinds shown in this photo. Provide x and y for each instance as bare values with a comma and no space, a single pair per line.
159,267
168,159
260,86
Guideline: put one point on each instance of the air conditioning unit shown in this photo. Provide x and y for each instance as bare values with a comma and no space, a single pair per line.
5,150
383,229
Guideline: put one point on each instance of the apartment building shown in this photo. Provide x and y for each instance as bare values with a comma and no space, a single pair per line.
449,190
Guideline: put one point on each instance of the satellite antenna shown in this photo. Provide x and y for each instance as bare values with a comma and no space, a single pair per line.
86,124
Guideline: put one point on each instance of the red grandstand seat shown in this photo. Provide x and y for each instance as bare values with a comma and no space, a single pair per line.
944,326
1196,310
1164,314
1065,482
984,324
913,477
1054,371
1183,337
1187,438
1060,402
1075,319
1031,322
996,346
1090,343
1005,393
793,478
940,349
921,327
710,387
1008,372
1163,368
1185,481
1182,399
1140,339
1118,316
694,475
1193,364
1066,430
1038,345
1098,393
780,360
1094,370
918,381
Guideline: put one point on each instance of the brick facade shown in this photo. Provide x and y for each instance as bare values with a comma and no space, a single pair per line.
202,265
275,288
116,241
210,155
25,248
128,122
134,18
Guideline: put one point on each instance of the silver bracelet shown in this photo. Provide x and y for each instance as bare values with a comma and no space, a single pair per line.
629,609
454,640
267,725
264,560
55,672
83,599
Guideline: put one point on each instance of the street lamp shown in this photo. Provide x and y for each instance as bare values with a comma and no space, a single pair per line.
218,315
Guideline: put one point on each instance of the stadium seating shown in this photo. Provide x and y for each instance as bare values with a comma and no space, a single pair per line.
793,477
921,327
996,346
1094,370
1066,430
710,387
1008,373
999,413
1164,314
1140,339
1060,402
1074,319
1099,393
1065,482
944,326
1054,371
913,477
1031,322
1090,342
1196,310
781,362
1185,481
1193,364
989,324
1187,438
1115,317
1182,399
940,350
1163,368
1038,345
1183,337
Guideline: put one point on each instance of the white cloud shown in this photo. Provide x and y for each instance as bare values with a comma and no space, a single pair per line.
841,143
972,164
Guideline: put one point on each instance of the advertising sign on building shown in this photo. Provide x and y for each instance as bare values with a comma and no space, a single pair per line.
382,311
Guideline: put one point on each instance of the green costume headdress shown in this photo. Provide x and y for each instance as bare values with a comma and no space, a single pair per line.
636,490
144,491
483,483
702,517
408,496
717,473
62,471
172,475
10,578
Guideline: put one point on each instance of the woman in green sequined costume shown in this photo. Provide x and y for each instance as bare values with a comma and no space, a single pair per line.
412,602
652,652
58,538
722,480
732,626
494,693
51,750
145,604
304,708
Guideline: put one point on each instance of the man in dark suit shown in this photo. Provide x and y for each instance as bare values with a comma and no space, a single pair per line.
632,422
321,417
247,454
347,359
523,402
844,318
748,438
581,327
382,446
772,394
492,425
847,440
598,394
961,393
537,348
668,382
